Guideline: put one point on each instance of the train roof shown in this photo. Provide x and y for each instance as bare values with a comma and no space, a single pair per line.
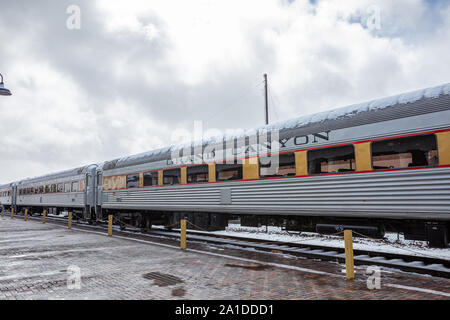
60,174
404,105
6,185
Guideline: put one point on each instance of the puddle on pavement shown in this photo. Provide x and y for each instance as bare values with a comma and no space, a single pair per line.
258,267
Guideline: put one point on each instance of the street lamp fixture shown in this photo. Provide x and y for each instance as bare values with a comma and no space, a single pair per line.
3,90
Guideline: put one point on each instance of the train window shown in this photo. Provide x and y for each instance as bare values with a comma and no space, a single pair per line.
60,187
67,187
41,189
172,176
75,186
81,186
132,181
197,174
53,188
409,152
228,172
282,165
331,160
150,178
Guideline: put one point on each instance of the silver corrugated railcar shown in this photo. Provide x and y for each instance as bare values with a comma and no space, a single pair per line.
384,164
6,196
66,190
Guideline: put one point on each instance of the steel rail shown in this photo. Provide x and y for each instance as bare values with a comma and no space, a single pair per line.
408,263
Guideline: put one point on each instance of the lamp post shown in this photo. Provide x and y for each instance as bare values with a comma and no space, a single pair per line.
3,90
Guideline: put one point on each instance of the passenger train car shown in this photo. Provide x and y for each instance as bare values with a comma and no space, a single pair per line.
71,189
375,166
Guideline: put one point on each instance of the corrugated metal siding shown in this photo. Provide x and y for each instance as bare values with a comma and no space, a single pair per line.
423,194
5,200
62,199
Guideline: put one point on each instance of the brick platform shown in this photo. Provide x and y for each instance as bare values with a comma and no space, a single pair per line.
36,261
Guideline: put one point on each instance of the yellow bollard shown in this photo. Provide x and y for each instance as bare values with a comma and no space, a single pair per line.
70,220
110,223
44,214
183,234
12,213
3,213
349,266
25,217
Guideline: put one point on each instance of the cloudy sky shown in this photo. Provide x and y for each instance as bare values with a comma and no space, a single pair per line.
135,71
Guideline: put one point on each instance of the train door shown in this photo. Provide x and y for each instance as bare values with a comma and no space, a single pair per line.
87,192
99,195
14,196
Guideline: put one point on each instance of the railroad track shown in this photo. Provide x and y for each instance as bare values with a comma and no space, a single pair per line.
409,263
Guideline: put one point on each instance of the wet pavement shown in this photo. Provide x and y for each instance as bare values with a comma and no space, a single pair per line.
48,261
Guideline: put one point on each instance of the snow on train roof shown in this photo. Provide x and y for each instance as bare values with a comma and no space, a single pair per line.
348,111
352,110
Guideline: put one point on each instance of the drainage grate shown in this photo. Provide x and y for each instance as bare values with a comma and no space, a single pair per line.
162,280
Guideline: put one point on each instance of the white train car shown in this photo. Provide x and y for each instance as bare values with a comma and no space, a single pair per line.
67,190
6,196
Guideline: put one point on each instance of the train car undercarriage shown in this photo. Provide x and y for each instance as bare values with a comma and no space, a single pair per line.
435,232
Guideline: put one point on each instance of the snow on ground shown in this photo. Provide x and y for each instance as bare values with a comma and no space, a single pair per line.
390,243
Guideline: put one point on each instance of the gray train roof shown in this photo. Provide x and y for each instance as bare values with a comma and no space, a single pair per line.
404,105
60,174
